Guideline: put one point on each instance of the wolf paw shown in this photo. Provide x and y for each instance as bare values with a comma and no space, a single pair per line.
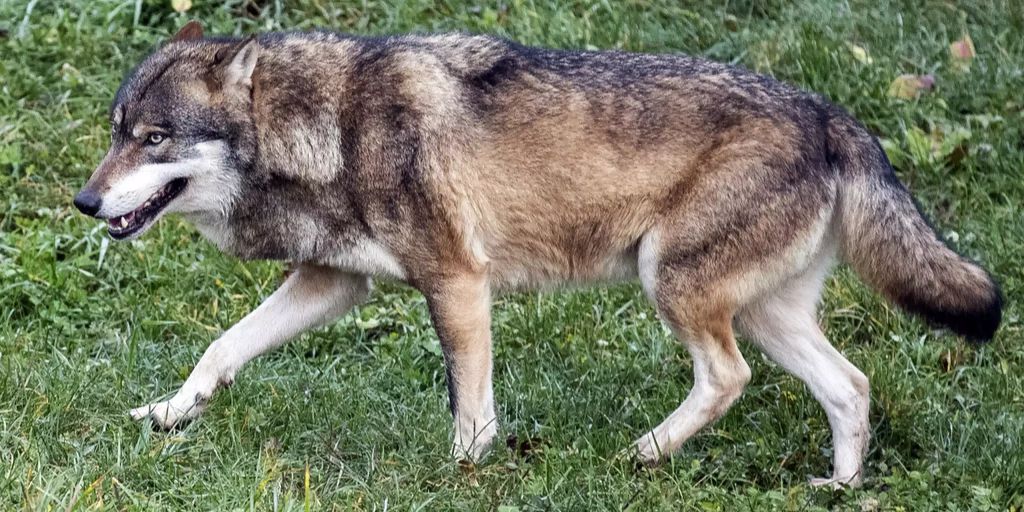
169,413
645,451
474,446
836,483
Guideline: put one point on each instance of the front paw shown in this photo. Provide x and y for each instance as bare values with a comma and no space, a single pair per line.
472,443
645,451
173,412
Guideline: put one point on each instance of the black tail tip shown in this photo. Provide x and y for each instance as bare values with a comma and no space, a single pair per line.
977,323
982,326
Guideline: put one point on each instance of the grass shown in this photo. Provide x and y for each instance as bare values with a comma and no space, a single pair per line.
353,416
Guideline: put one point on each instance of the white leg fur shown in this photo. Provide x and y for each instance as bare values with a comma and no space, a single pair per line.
718,380
785,328
475,429
311,296
647,264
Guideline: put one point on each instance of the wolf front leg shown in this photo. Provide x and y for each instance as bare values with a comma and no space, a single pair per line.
311,296
460,307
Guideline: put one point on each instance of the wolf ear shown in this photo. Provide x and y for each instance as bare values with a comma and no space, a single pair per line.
238,71
191,31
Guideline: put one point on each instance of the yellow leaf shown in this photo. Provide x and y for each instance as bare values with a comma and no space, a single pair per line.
904,87
908,87
181,5
860,54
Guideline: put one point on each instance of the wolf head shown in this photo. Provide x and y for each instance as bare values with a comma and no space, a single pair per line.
180,135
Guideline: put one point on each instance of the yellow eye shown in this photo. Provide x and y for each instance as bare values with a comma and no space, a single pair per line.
154,139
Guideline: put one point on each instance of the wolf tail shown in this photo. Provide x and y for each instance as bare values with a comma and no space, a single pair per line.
892,246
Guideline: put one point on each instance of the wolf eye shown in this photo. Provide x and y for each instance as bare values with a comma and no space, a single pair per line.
154,138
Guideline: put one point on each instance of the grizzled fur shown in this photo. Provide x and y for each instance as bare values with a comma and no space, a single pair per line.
467,164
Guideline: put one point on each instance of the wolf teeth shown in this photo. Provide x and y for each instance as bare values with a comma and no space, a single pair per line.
124,222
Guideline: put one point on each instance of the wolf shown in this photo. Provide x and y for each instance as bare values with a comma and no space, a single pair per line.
469,165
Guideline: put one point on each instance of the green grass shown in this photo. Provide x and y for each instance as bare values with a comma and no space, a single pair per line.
89,329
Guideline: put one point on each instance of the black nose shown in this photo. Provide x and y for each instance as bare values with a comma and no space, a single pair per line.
88,202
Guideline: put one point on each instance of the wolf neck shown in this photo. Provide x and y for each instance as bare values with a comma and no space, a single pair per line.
279,217
335,161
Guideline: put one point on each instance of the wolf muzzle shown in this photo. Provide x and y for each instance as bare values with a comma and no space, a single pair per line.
88,202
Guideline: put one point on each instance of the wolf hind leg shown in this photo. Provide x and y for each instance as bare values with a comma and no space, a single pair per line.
784,327
729,240
719,374
703,323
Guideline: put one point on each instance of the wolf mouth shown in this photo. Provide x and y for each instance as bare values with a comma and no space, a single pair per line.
134,221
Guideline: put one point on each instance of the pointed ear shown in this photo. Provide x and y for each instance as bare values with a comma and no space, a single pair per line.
191,31
238,72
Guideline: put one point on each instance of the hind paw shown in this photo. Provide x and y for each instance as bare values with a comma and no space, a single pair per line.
836,483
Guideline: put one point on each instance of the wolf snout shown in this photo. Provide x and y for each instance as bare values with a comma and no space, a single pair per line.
88,202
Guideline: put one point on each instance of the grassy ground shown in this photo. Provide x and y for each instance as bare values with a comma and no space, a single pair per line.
354,416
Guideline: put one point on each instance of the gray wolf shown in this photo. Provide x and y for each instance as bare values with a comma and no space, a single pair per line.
466,165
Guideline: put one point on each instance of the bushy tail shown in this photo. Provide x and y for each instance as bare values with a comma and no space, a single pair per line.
891,245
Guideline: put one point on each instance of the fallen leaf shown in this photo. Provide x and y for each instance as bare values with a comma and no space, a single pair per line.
467,468
860,54
962,53
181,5
869,504
732,24
525,448
958,154
950,143
908,87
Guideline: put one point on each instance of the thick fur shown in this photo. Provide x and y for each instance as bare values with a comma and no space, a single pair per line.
894,248
466,165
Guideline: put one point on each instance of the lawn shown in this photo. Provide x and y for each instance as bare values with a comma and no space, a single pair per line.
354,416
